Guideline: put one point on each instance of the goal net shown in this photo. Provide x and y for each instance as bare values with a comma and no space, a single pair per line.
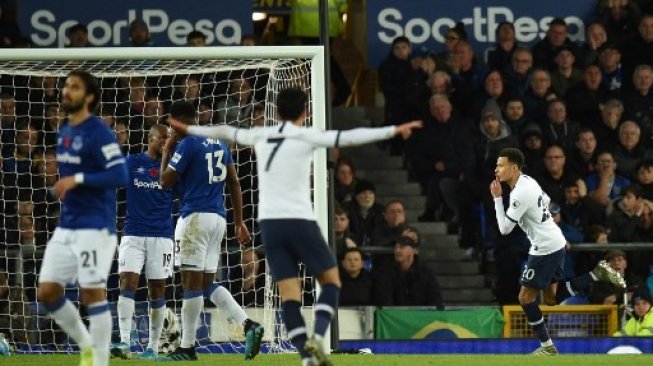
236,85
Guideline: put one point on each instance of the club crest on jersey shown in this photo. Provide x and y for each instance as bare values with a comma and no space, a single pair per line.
154,172
515,204
77,143
66,142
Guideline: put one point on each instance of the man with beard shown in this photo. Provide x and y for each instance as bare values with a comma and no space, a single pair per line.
82,247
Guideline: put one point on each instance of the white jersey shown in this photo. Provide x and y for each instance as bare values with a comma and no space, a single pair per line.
529,207
284,154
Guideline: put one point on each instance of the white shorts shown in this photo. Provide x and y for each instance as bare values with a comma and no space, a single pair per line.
82,255
155,253
198,240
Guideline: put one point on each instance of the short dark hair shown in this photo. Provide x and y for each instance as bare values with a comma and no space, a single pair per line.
352,250
557,21
183,110
291,103
632,189
513,155
91,85
77,27
195,34
644,163
400,39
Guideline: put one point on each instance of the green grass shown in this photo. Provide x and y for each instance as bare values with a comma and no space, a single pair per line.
358,360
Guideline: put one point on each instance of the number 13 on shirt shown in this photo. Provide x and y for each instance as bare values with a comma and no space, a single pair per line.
219,166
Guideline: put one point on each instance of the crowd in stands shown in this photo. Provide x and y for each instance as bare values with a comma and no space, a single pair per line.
582,113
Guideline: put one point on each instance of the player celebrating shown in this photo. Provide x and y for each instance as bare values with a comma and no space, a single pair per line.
83,245
201,166
146,241
290,232
529,207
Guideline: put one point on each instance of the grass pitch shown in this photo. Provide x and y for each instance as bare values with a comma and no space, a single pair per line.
356,360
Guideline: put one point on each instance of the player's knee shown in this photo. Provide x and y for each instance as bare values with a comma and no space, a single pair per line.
550,300
48,293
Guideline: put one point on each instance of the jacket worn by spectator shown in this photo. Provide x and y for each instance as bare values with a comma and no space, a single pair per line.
356,291
416,287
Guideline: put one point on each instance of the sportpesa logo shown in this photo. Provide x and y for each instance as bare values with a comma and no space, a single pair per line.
150,185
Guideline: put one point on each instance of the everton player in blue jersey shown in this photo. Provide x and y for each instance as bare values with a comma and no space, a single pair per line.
83,245
201,167
147,241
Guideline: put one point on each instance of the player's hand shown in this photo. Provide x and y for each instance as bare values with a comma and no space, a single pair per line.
406,129
495,188
242,234
64,185
180,127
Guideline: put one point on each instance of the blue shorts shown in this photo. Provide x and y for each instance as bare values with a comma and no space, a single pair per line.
543,270
288,242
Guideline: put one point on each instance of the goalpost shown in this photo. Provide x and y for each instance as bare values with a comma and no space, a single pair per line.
138,85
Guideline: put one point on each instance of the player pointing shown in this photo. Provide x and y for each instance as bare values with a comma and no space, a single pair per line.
83,245
529,207
289,230
147,241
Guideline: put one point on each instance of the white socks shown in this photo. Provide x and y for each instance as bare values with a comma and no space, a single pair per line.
100,330
190,314
125,315
222,298
67,317
157,317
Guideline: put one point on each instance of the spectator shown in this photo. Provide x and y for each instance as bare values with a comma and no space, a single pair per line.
619,18
499,56
248,40
53,117
631,149
466,73
247,280
493,89
517,76
623,217
595,38
641,322
78,36
122,135
539,95
356,281
584,98
365,213
580,211
610,62
514,114
392,226
205,114
16,313
400,82
534,149
607,130
556,37
644,178
606,185
236,108
573,236
7,123
638,50
139,34
558,129
639,101
196,39
565,75
451,38
188,88
583,155
437,154
407,281
344,238
555,173
345,180
9,31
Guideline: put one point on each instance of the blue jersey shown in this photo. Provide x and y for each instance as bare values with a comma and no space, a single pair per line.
149,206
202,166
90,148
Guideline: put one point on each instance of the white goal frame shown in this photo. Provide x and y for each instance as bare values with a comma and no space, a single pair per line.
317,85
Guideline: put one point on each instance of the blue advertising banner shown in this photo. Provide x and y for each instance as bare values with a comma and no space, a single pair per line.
425,22
46,22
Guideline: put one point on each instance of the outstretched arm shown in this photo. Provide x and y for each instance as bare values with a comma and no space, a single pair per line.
222,132
360,136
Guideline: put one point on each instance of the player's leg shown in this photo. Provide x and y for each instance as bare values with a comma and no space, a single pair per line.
95,250
131,257
580,285
59,267
192,258
319,260
549,294
282,262
537,276
219,295
157,269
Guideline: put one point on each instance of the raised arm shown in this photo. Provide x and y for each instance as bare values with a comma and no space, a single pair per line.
222,132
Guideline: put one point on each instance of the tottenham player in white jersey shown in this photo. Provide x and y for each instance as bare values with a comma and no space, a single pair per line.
529,208
288,227
83,245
